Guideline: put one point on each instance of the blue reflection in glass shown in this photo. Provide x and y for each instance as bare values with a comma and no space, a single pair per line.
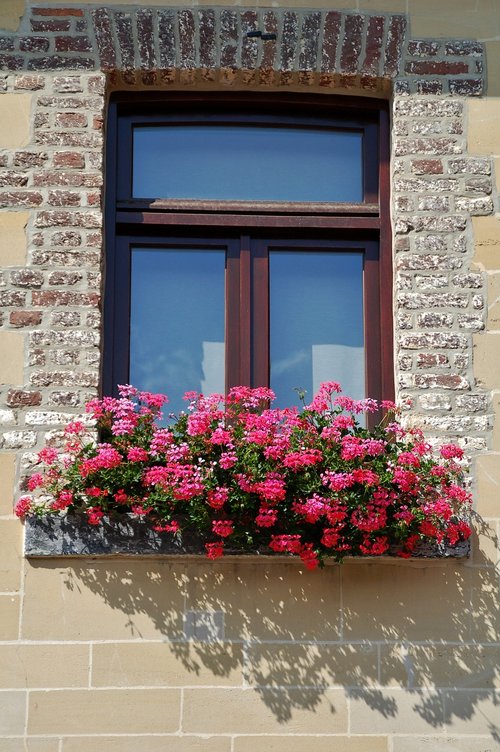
223,162
316,323
177,322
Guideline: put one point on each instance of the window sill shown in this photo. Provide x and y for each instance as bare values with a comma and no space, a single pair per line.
73,536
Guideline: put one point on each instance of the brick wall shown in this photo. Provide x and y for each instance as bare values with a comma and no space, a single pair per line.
192,656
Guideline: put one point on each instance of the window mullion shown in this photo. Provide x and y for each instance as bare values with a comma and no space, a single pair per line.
260,313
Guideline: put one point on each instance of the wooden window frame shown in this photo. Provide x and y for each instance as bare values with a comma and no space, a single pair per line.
157,222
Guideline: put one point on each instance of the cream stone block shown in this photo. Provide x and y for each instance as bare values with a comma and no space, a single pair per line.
484,124
485,543
446,19
495,439
15,120
13,713
12,360
103,600
438,666
146,744
13,238
487,242
492,67
487,359
312,665
487,475
496,163
383,6
472,712
446,743
11,546
247,711
493,300
268,600
29,745
9,617
393,711
43,665
11,12
313,743
163,664
423,601
7,476
103,711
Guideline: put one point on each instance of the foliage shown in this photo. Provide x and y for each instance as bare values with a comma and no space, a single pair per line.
245,476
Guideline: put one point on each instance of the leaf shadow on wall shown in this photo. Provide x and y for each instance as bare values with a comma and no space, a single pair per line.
385,634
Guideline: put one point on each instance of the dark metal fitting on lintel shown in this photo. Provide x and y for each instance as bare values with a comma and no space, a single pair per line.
261,35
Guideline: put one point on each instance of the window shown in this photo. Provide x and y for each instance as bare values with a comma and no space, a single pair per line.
247,243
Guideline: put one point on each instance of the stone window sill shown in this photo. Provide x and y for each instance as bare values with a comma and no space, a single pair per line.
73,536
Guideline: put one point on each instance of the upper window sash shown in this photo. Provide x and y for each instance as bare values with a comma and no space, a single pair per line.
242,137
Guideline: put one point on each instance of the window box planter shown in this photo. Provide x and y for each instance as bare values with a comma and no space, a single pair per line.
245,479
71,535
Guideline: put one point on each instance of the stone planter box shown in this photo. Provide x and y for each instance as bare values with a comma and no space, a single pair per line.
73,536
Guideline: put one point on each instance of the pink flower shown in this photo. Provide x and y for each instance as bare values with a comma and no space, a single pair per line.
297,460
215,550
94,515
63,501
48,455
285,543
23,506
267,516
137,454
161,527
451,451
35,481
224,528
216,498
309,556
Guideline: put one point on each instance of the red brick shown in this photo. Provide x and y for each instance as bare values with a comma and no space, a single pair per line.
374,39
68,159
58,62
435,67
20,198
50,25
351,45
56,298
427,166
394,45
25,318
104,37
123,24
19,398
26,278
145,38
70,120
33,44
31,83
423,48
57,12
64,198
73,44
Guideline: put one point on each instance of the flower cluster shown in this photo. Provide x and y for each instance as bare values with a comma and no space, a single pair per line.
245,476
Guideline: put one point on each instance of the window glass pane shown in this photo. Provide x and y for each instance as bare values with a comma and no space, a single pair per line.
177,321
316,322
247,163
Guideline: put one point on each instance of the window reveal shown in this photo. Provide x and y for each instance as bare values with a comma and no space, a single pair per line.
234,265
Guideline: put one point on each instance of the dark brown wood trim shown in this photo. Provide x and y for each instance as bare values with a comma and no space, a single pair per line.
248,220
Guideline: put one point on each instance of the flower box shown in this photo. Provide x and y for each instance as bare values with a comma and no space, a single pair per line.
71,535
235,476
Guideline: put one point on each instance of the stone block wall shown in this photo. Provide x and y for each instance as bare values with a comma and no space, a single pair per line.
185,654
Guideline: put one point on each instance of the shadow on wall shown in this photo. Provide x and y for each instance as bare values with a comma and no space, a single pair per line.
372,629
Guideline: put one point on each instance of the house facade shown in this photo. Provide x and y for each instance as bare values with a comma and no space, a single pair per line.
183,654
